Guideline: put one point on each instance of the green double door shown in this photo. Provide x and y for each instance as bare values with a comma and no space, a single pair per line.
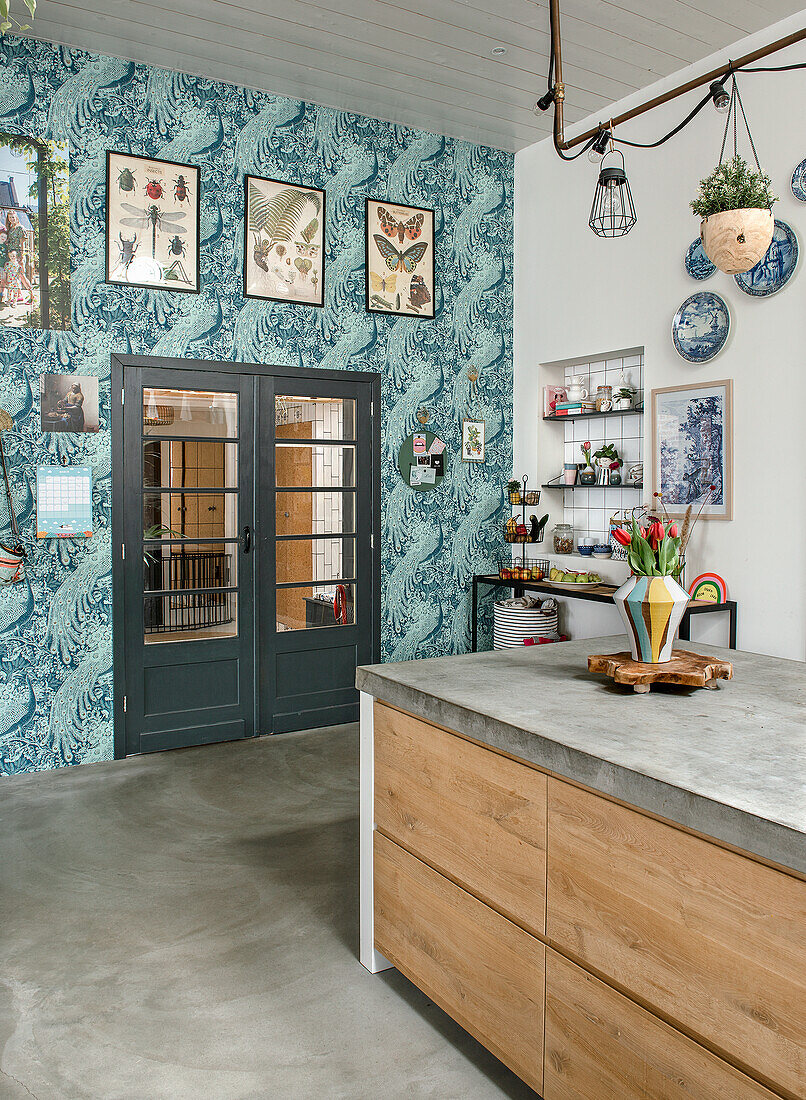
245,580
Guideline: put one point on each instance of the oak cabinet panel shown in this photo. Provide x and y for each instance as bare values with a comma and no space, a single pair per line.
601,1046
475,815
484,971
712,940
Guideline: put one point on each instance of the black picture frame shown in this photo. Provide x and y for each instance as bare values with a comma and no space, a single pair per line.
182,169
248,246
414,210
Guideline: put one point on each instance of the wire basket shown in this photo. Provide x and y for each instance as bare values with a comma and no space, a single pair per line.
511,535
530,569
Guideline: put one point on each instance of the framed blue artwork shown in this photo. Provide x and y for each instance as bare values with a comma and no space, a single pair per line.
63,502
692,430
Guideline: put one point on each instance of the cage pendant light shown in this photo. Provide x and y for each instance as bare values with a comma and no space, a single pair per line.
613,210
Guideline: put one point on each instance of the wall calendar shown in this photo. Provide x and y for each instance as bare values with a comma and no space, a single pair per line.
63,502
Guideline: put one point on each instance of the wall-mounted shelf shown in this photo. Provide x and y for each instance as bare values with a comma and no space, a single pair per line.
578,486
589,416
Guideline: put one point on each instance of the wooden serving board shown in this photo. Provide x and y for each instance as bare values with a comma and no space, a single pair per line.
685,668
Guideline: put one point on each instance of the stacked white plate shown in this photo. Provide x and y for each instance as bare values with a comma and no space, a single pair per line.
513,625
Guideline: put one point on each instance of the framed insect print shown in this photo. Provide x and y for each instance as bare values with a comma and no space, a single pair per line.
284,242
399,259
152,223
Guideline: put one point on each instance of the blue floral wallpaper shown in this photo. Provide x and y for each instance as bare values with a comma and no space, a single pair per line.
56,628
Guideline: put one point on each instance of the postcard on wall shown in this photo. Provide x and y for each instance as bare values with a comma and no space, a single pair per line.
399,259
284,242
152,223
34,233
68,403
693,448
473,440
63,502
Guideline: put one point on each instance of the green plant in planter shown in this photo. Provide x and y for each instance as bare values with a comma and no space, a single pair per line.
608,451
733,186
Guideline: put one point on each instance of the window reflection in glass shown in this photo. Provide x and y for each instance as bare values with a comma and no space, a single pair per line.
178,413
307,608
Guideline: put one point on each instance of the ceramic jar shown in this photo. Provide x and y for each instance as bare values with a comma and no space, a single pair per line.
576,389
651,609
570,473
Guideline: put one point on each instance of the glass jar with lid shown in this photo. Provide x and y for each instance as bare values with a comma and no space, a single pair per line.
563,535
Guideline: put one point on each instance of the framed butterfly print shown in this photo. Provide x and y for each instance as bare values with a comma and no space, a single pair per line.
399,259
284,242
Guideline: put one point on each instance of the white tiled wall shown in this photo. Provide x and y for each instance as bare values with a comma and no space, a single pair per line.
589,510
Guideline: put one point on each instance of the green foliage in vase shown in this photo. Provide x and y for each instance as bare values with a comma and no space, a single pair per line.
7,20
733,186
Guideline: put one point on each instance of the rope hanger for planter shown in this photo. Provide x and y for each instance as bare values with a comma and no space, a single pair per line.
734,107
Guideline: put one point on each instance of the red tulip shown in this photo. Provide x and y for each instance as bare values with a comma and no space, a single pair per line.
622,536
674,530
643,532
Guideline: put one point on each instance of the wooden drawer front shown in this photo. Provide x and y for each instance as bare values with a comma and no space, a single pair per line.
601,1046
473,814
713,940
483,970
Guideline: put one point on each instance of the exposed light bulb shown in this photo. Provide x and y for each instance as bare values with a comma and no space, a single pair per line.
612,201
599,147
720,97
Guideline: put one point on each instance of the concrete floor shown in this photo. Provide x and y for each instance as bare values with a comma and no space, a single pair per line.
185,925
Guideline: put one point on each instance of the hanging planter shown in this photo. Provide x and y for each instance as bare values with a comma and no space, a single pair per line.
735,204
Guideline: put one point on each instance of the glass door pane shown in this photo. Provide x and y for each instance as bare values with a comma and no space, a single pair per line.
190,515
315,479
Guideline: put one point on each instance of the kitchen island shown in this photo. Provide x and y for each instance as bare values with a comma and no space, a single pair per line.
607,890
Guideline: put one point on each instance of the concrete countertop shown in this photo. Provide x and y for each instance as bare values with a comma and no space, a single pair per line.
730,763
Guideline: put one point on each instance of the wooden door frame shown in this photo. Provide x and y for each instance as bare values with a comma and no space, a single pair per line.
119,363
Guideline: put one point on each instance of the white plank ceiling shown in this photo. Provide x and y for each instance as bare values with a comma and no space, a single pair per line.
424,63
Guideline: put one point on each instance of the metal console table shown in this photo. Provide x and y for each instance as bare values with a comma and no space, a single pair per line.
603,593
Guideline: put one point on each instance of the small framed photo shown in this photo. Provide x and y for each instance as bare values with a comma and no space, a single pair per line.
68,403
284,242
473,440
551,395
152,223
399,259
692,440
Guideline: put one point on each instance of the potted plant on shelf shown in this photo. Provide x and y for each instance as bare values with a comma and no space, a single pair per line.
587,475
514,490
651,602
605,457
623,399
735,205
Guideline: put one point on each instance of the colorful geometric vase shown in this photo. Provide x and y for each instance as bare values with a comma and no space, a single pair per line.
651,609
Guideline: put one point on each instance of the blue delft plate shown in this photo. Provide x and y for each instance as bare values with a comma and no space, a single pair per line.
701,326
697,263
777,267
799,181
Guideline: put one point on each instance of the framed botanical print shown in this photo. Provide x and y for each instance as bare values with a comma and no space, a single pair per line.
152,223
399,259
692,433
473,441
284,242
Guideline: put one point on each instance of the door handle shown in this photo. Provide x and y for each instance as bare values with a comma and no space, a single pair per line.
247,539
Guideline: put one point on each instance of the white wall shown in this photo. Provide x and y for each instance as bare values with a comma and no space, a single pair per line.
579,295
